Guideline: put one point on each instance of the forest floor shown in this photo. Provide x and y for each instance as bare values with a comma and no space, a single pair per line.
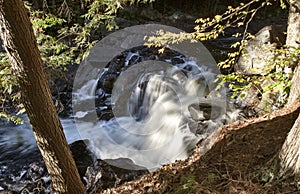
238,158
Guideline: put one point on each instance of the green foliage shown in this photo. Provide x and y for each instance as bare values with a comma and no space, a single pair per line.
10,117
281,71
238,83
280,66
283,4
42,21
55,54
7,81
210,28
8,93
65,32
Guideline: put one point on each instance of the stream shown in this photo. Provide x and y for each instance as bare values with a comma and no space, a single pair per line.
19,154
158,117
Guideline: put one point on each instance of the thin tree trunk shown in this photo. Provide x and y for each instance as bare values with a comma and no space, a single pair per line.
20,44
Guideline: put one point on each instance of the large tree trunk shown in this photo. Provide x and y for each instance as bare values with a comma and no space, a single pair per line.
290,153
293,36
20,44
293,40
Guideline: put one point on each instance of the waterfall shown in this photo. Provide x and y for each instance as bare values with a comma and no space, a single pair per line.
149,90
169,111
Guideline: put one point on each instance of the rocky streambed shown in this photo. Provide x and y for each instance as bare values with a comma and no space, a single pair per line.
26,172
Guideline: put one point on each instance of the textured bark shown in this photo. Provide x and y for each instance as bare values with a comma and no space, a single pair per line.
293,40
20,44
295,88
290,152
293,35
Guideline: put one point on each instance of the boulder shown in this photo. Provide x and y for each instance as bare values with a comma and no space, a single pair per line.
82,156
259,50
255,62
103,174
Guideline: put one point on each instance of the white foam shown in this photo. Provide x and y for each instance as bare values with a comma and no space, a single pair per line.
160,128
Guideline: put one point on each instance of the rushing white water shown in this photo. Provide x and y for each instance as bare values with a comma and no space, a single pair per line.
168,112
19,155
20,138
164,114
163,117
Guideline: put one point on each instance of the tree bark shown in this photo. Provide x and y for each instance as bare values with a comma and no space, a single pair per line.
20,44
295,87
290,152
293,40
293,36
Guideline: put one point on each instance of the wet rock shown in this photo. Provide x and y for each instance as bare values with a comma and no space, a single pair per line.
204,111
107,82
103,174
99,57
119,64
82,156
34,178
30,179
105,115
115,66
197,114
